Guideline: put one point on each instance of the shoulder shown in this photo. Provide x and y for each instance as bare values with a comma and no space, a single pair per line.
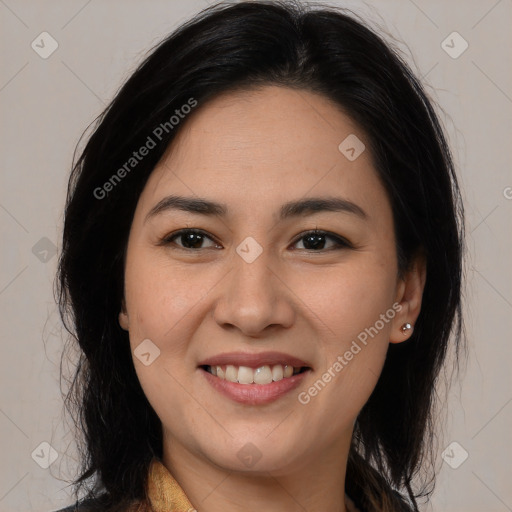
98,505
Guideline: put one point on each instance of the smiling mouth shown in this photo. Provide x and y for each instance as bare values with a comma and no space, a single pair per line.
265,374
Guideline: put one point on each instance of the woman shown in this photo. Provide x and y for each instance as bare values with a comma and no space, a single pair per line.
262,268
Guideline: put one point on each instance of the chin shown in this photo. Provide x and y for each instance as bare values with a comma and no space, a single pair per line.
256,454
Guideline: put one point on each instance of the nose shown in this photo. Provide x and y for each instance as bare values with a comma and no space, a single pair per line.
254,299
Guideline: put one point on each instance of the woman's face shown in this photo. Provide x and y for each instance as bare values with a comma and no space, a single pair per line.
253,292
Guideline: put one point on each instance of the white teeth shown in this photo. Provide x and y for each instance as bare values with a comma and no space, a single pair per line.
245,375
231,373
263,375
277,372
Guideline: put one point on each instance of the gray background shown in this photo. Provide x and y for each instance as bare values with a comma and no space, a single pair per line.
47,103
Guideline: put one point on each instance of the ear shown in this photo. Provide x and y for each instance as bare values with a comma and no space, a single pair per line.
123,317
409,294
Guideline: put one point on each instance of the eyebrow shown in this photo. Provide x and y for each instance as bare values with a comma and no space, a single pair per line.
288,210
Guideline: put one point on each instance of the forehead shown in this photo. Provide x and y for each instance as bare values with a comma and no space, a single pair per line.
265,145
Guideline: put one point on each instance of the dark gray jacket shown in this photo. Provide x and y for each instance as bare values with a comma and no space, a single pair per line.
83,506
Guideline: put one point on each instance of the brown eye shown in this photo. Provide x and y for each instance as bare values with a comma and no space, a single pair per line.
316,241
191,239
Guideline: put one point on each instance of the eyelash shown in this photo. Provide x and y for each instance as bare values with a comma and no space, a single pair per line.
340,242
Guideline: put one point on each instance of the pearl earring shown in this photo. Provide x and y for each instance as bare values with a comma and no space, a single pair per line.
406,327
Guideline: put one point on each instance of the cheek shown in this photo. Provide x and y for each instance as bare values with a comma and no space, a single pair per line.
345,300
161,303
353,309
159,298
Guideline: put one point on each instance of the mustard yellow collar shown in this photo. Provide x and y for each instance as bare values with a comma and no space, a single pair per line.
165,494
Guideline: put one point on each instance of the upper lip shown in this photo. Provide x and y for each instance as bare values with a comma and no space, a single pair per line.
254,360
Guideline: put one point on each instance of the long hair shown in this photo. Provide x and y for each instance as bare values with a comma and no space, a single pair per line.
242,46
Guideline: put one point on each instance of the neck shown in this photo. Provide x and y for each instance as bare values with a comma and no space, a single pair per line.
315,484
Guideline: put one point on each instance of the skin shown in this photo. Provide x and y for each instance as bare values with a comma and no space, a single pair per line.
253,151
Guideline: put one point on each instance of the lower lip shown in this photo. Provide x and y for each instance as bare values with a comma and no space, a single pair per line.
254,394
